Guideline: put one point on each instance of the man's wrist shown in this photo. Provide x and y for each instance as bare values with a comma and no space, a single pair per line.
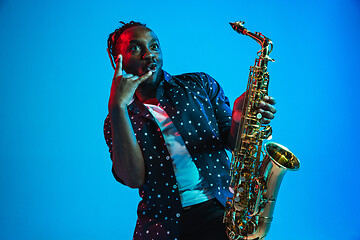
119,107
117,110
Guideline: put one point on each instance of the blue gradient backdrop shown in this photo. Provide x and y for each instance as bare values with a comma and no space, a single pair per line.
55,177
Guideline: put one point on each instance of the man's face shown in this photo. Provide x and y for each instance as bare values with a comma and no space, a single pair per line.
141,52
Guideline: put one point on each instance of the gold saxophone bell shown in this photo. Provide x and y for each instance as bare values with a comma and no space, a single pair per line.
281,156
277,161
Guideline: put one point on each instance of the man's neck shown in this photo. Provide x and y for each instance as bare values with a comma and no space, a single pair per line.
146,96
146,93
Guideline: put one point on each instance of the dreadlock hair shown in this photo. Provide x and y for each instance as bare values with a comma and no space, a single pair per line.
114,36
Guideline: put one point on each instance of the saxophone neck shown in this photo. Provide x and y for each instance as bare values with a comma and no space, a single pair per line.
265,43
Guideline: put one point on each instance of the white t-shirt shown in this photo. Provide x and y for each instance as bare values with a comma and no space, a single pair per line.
193,188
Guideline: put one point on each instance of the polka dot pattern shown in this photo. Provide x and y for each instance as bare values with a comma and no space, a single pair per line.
201,113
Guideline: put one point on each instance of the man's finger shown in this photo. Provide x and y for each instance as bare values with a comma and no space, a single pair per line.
127,75
266,114
270,100
266,106
265,121
144,77
118,69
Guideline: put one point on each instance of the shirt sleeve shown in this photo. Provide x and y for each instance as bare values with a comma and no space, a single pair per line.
220,104
108,140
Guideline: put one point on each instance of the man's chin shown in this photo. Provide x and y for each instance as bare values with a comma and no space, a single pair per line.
153,80
148,81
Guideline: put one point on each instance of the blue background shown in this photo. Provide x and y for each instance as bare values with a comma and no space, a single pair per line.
55,177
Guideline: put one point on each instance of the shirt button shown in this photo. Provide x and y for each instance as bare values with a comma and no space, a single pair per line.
167,157
175,186
178,215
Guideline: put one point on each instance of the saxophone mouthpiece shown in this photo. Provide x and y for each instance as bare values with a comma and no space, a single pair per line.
239,27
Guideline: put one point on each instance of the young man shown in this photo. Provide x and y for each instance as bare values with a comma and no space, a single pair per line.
167,136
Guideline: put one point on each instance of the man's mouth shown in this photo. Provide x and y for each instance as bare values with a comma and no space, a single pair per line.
151,67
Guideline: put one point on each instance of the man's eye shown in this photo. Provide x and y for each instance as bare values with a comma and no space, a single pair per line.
134,48
155,46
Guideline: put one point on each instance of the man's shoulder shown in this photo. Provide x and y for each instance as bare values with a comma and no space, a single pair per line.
198,77
192,75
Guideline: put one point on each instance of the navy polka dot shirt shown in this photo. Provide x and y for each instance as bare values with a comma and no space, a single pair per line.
201,113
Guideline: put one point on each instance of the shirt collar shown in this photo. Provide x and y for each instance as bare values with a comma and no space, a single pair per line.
136,106
169,78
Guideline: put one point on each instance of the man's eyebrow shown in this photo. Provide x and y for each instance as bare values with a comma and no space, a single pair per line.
134,41
154,40
139,42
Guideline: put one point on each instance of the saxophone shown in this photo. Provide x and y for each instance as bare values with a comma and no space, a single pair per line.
256,175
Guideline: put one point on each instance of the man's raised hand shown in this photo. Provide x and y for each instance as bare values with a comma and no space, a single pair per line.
123,86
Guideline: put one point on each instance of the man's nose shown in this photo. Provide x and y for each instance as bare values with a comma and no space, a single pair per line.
148,54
